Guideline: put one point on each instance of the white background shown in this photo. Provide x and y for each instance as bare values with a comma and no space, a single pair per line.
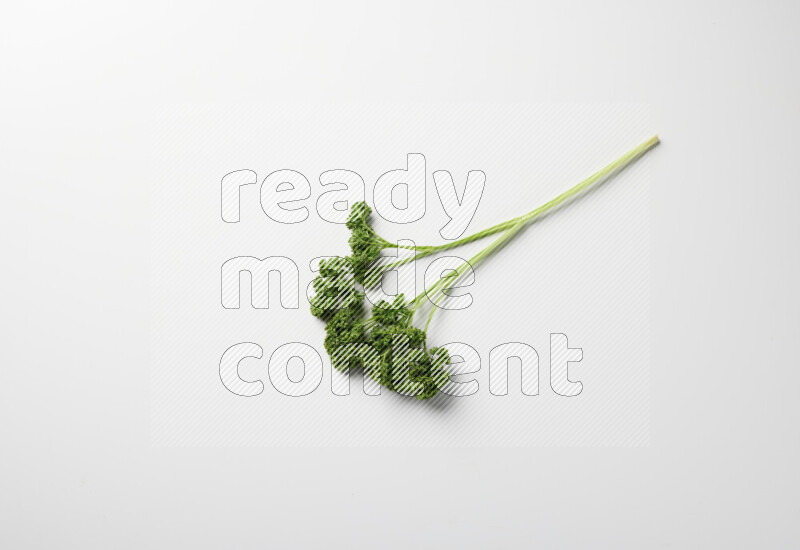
79,81
582,271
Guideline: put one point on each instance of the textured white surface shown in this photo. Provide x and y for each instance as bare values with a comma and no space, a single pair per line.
583,270
80,81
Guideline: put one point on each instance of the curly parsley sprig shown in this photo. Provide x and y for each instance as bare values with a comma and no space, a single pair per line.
387,345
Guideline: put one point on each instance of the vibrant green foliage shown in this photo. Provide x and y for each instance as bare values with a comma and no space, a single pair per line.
387,345
365,244
403,361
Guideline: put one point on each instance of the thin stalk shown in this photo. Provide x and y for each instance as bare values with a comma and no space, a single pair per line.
512,227
533,214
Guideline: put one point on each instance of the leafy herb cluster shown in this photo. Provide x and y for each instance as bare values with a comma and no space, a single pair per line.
387,345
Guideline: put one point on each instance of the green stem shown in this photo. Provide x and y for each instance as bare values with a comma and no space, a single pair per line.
609,169
512,227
